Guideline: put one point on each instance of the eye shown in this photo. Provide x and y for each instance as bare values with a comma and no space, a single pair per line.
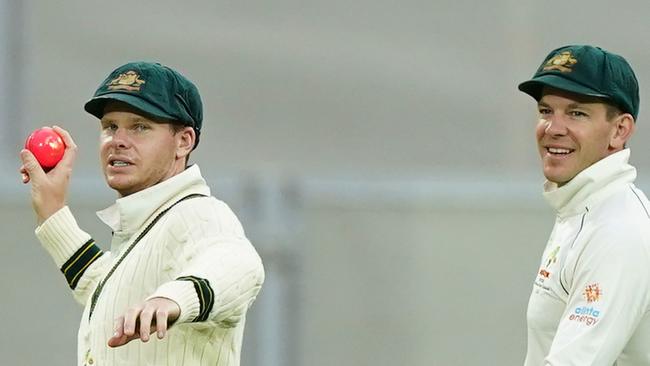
140,127
578,114
108,126
544,110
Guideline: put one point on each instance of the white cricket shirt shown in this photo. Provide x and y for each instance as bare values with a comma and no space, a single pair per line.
591,295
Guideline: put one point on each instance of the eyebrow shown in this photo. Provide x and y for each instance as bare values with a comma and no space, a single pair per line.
137,119
140,119
570,106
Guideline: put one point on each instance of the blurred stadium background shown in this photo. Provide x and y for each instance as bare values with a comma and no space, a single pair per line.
377,152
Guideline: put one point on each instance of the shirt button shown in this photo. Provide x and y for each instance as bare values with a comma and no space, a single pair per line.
89,359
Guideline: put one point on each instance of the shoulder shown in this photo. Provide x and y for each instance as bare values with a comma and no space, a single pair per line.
626,210
207,215
620,225
628,200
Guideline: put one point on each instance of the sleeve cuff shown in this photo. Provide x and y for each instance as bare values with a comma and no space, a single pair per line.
61,236
184,294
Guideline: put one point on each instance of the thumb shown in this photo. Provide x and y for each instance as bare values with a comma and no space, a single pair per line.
70,147
31,165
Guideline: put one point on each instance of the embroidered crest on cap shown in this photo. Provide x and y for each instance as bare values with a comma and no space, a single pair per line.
130,81
592,293
562,62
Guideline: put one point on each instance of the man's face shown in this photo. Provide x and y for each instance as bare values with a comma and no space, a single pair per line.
136,152
572,133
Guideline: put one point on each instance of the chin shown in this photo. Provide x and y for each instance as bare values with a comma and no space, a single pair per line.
560,180
123,191
556,177
116,185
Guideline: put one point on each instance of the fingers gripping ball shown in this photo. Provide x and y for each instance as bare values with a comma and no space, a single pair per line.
47,146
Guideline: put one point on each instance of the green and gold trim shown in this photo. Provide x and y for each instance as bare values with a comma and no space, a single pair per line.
75,267
205,295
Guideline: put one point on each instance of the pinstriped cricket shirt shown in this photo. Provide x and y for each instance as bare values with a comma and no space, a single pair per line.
196,254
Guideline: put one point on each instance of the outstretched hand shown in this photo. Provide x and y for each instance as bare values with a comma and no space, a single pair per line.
154,315
49,190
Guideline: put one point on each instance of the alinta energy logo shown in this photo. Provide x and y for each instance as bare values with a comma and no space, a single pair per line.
592,293
588,314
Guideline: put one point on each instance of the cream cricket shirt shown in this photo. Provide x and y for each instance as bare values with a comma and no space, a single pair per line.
196,254
591,296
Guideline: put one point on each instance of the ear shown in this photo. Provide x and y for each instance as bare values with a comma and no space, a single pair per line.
185,142
622,131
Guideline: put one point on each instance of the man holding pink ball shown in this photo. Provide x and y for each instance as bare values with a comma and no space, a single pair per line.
180,264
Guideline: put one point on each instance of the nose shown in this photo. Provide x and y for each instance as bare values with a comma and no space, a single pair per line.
555,126
120,138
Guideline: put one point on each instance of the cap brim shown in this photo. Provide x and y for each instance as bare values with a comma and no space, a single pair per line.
96,105
535,86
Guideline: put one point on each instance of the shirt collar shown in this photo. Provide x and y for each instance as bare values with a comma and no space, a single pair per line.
129,213
591,185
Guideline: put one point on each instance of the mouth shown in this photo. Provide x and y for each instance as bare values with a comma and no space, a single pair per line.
119,163
558,151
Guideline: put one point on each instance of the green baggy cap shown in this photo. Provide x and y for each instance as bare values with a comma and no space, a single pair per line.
587,70
155,89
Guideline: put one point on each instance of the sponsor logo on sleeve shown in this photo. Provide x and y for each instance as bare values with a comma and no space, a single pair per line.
588,315
592,293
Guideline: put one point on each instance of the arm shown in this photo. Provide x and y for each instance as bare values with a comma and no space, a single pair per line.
218,285
220,280
72,250
608,296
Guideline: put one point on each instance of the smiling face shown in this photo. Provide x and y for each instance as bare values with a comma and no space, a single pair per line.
575,131
137,152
